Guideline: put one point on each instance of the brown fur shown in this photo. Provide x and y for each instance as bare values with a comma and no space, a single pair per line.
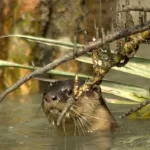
88,114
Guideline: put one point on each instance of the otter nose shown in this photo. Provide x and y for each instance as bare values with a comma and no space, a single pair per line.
51,97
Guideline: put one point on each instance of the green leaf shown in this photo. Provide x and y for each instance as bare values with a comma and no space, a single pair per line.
143,113
119,101
136,66
130,92
58,72
46,41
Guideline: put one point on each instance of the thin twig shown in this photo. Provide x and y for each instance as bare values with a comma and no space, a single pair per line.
135,8
65,110
89,47
135,109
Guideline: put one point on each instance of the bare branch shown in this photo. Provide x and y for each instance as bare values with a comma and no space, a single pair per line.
89,47
134,8
135,109
65,110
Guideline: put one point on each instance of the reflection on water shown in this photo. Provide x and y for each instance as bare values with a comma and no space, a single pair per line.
23,125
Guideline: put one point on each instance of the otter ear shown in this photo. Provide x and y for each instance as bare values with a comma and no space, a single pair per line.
96,88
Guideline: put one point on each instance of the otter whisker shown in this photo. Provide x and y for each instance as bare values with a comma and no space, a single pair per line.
79,123
79,116
87,124
74,111
75,124
74,105
83,120
83,123
65,110
64,128
88,113
91,116
90,123
95,117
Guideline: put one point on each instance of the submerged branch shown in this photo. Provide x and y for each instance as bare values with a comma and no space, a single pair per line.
135,109
89,47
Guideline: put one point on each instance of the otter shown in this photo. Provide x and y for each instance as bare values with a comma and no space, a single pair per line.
88,114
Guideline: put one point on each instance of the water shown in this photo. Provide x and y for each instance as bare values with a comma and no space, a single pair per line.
23,126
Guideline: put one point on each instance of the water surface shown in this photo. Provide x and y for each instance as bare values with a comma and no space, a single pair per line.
24,126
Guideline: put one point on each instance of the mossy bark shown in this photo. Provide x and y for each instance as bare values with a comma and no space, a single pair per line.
19,17
69,19
63,20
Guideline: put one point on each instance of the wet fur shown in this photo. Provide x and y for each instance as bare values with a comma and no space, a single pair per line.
88,114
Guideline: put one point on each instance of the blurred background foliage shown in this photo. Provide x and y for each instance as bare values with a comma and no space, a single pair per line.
18,17
55,19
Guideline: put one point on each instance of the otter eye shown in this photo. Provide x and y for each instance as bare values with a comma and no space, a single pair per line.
69,91
54,97
96,88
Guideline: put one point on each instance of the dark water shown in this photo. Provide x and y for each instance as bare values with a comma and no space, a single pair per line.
23,126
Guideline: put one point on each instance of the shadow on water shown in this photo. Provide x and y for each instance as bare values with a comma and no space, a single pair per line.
22,128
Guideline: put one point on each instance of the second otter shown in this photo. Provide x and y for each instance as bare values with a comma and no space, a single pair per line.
89,114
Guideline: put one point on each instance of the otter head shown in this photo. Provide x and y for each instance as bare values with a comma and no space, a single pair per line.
89,113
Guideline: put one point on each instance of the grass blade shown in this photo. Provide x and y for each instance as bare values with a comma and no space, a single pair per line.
136,66
46,41
130,92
